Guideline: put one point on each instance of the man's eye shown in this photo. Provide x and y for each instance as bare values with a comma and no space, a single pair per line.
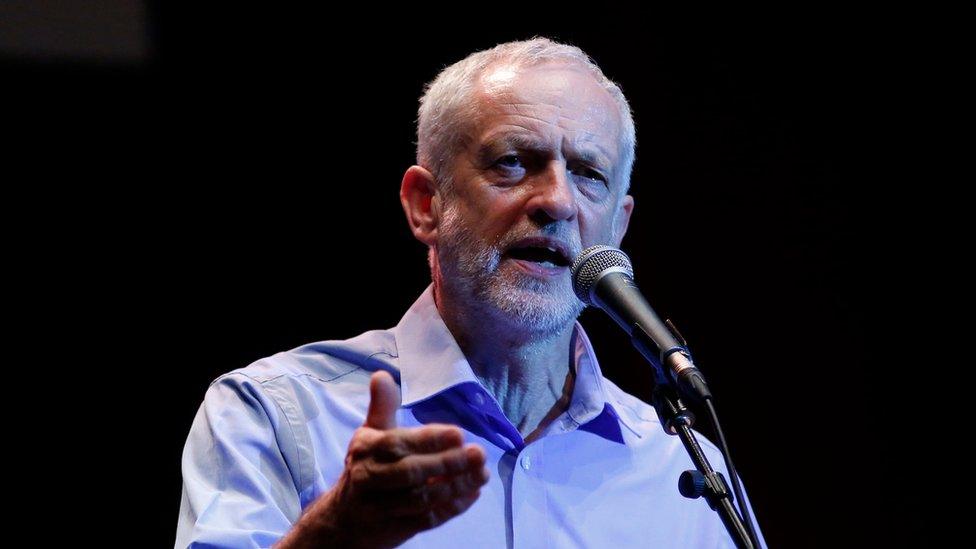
591,174
509,161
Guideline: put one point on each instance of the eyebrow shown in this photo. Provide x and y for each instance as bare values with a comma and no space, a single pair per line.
584,152
594,157
518,141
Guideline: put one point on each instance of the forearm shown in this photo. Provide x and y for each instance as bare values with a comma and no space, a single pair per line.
317,528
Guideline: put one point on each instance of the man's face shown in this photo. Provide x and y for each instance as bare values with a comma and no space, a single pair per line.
537,181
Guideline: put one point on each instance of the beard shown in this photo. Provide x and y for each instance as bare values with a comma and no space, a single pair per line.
478,275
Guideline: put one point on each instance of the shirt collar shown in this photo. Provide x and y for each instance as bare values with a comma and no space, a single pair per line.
429,358
431,362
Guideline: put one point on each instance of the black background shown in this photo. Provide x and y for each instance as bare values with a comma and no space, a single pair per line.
227,188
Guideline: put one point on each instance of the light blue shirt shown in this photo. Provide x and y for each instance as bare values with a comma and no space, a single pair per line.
272,437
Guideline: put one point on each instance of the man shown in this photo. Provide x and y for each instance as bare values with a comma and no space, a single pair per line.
482,419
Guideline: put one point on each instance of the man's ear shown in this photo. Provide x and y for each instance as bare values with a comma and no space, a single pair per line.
622,220
420,204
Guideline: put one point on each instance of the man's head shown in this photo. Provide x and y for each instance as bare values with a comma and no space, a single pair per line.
448,105
524,154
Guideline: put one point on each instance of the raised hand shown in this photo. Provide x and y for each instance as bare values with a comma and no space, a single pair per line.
396,482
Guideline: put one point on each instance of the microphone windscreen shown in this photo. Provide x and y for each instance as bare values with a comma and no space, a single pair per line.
594,262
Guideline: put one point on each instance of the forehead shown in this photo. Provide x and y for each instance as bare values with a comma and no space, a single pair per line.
553,101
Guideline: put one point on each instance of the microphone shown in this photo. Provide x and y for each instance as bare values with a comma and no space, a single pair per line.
604,278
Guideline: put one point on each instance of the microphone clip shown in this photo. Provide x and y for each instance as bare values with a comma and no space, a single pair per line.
674,331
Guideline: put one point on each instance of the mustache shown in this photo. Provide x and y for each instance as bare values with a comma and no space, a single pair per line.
561,233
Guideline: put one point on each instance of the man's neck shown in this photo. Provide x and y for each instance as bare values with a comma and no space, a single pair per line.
529,374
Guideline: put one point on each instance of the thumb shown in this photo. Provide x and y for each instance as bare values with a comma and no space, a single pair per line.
384,399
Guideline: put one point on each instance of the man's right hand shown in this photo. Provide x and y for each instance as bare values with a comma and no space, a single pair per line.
396,482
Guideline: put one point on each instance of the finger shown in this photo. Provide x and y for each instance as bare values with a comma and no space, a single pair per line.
456,506
439,514
395,444
416,469
422,499
384,400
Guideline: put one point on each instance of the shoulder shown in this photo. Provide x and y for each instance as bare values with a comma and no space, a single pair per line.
321,361
301,403
643,417
294,383
630,406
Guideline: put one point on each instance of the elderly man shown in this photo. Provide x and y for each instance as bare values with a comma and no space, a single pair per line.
482,418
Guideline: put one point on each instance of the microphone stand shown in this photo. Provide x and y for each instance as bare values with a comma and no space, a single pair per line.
604,277
677,419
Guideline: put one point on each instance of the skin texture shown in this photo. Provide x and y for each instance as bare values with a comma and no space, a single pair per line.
543,159
540,162
396,481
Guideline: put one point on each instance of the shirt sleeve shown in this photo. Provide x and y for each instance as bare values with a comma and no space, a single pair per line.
238,488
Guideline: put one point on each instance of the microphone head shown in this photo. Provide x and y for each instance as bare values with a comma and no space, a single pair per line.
592,264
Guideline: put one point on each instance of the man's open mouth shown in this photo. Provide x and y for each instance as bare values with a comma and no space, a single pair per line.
544,253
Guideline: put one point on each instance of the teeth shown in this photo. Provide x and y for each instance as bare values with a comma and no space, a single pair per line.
553,257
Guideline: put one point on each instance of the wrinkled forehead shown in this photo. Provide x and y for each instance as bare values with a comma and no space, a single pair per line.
549,99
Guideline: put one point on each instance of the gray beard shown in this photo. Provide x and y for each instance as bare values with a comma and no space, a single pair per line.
470,271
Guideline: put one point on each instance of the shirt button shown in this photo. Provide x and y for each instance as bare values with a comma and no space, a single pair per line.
526,462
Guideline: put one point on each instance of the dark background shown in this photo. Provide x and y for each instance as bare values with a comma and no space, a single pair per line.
224,183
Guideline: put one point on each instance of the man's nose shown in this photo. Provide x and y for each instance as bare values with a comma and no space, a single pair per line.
553,197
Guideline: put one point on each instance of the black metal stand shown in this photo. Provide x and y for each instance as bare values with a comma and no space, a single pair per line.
677,420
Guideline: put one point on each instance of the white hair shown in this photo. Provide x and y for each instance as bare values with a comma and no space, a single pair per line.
448,102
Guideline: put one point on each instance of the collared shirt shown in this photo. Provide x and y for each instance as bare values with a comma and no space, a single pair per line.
272,437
